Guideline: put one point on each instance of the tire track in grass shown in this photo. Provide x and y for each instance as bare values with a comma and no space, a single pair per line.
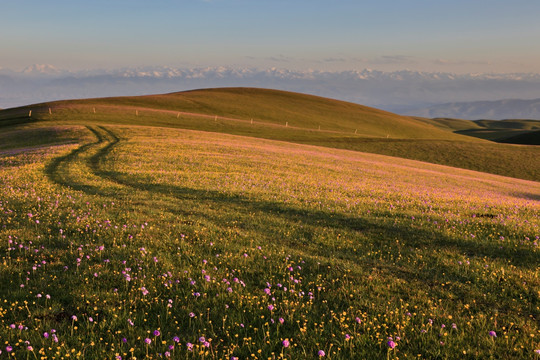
75,170
189,202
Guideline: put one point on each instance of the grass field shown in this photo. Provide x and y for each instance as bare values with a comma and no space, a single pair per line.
124,241
300,119
225,224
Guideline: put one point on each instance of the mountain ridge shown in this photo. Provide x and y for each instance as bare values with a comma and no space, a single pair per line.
479,110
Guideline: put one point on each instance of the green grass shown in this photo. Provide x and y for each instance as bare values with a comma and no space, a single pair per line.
512,131
133,229
528,138
295,118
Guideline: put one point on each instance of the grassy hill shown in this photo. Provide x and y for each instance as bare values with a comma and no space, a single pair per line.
527,138
154,242
294,118
503,131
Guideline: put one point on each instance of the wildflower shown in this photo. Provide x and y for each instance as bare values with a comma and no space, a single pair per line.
157,333
492,333
176,339
281,320
358,320
130,322
347,337
9,348
391,344
46,335
270,307
189,346
286,343
148,341
321,353
74,318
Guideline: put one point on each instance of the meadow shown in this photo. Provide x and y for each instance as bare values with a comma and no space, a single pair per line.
122,241
304,119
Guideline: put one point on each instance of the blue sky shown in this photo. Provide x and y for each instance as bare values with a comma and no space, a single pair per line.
427,35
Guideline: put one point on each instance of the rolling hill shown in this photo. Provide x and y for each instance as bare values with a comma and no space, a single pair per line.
292,117
512,131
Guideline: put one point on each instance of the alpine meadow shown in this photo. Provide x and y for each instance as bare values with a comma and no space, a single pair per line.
244,223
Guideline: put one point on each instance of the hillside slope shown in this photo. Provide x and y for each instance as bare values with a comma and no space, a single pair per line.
294,118
270,106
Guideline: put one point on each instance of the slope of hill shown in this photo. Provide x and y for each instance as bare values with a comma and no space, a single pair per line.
528,138
280,107
291,117
495,130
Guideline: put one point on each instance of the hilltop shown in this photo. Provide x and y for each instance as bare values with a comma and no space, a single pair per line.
291,117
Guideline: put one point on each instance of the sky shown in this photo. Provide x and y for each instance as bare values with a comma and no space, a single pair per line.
461,36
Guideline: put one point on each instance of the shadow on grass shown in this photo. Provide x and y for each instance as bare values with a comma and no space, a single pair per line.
305,221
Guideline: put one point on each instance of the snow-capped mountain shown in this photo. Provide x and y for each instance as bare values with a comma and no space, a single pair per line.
43,70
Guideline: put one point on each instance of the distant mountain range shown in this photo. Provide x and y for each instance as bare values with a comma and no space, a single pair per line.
404,92
494,110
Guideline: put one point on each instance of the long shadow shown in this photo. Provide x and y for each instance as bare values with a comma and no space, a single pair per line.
277,213
56,169
305,217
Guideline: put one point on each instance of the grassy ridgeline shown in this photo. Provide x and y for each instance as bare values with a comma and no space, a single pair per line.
152,242
296,118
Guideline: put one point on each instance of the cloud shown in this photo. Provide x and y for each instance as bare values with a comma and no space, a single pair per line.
459,62
392,59
280,58
334,60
